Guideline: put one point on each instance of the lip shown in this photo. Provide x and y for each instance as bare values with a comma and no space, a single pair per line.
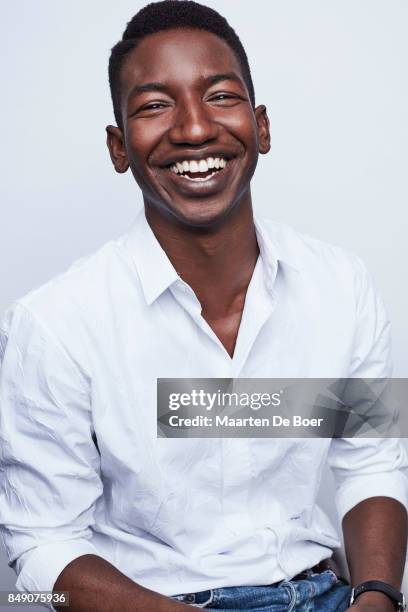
217,182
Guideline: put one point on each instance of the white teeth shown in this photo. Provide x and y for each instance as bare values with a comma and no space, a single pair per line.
203,165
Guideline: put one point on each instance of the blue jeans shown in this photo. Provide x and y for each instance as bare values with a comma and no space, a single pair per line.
322,592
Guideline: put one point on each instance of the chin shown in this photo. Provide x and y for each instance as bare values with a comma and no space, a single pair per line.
201,215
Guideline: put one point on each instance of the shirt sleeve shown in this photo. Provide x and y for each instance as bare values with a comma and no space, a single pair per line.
49,464
369,467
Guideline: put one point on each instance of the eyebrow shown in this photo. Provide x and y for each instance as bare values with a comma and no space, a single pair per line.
210,80
139,89
228,76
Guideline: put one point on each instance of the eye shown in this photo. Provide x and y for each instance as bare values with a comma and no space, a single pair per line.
149,109
222,96
153,106
225,99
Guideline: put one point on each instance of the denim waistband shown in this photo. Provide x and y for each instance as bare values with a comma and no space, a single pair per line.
285,592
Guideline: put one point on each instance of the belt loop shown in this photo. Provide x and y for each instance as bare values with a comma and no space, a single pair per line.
293,594
205,604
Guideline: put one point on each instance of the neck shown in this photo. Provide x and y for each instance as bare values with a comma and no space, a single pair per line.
216,262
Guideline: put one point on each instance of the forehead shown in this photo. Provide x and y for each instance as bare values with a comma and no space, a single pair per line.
178,55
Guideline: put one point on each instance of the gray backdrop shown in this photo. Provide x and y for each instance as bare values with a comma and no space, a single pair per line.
333,74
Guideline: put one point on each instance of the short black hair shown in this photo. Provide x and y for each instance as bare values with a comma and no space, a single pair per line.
166,15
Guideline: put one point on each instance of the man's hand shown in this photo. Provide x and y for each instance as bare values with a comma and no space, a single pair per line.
95,584
369,608
372,601
375,537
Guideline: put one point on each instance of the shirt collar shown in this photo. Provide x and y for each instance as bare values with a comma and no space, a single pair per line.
273,248
154,268
156,272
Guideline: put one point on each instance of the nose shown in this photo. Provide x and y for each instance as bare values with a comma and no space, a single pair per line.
193,124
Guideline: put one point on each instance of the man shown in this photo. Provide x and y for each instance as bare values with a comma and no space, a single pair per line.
91,501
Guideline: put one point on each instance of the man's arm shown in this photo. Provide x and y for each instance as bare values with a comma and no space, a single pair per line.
95,584
375,538
371,474
50,475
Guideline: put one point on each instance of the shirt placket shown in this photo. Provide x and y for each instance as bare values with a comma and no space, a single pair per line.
236,467
236,457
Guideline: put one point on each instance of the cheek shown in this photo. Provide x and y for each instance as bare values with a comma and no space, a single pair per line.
141,141
244,129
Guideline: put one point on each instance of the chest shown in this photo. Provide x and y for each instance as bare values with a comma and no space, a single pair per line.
226,328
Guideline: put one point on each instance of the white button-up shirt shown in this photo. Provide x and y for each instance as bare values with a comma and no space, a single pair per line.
82,470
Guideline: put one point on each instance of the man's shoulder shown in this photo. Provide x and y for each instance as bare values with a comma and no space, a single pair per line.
74,295
79,280
311,255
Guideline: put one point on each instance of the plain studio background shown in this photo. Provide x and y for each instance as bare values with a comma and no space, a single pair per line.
333,75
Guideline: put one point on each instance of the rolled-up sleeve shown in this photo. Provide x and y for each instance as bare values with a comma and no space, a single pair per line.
369,467
49,464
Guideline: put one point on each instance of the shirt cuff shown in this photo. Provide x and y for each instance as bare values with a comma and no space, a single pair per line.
42,566
352,492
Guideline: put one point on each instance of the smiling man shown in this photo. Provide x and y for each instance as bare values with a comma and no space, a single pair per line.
91,501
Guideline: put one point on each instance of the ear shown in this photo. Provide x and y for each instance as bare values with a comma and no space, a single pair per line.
263,129
117,148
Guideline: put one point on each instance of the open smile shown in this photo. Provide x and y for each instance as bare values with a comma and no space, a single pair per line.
199,170
200,175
